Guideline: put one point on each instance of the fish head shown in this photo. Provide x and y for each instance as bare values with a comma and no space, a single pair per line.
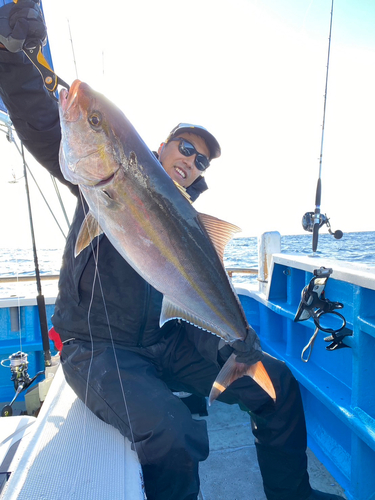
89,150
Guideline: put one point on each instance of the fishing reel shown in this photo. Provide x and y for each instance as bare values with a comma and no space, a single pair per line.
310,219
313,221
18,365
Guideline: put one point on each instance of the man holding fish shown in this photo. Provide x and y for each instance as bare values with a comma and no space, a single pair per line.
145,307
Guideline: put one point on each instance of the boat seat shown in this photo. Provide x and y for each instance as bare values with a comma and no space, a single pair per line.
70,453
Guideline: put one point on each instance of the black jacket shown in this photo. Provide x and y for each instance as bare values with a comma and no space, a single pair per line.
130,306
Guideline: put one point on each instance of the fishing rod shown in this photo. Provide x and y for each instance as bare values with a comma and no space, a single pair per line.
40,296
313,221
18,361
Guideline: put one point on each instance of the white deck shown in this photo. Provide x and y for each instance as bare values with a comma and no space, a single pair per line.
69,453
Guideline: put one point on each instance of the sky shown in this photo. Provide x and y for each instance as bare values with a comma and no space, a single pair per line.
253,72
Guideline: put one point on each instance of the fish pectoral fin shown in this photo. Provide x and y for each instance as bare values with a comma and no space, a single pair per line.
219,231
90,229
232,370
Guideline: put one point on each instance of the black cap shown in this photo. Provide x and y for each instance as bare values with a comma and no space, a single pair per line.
210,140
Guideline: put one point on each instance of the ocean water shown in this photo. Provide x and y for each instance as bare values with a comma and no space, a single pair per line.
353,247
240,253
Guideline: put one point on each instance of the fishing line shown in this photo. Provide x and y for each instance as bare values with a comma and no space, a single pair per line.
91,356
9,135
317,216
306,14
10,138
37,185
97,274
58,194
97,277
88,378
112,342
317,219
18,361
95,253
74,57
325,95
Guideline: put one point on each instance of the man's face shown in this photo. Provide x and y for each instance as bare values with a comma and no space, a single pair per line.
182,168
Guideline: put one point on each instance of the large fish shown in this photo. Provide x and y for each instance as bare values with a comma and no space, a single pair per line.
153,226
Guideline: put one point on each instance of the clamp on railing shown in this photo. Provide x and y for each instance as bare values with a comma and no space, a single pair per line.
315,305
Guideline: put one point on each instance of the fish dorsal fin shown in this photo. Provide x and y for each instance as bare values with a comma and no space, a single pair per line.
219,231
171,310
90,229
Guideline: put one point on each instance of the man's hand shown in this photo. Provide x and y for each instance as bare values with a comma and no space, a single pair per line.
20,22
247,351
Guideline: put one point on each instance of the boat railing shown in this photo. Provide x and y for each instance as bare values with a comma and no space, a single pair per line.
51,277
241,270
16,279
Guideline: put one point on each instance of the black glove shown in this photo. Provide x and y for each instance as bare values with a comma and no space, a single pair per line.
20,22
247,351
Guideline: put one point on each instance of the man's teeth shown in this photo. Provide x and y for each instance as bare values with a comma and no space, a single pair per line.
181,172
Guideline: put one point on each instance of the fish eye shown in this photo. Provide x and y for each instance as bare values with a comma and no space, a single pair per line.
95,119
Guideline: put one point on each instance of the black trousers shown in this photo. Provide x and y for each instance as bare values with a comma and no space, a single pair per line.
169,442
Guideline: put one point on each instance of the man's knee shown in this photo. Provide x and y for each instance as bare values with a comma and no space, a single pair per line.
176,439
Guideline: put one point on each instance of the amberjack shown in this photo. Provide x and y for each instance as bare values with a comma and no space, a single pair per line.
154,226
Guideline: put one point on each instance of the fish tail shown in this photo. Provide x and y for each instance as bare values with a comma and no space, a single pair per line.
232,370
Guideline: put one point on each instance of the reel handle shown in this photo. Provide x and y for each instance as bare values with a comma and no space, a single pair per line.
337,234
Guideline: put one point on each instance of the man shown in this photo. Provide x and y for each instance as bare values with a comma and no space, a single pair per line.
116,358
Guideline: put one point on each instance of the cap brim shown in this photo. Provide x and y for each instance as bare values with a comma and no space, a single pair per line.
212,143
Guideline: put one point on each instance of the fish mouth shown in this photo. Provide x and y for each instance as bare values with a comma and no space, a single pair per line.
73,103
67,98
106,181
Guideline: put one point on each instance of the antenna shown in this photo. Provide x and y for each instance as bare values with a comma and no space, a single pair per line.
71,43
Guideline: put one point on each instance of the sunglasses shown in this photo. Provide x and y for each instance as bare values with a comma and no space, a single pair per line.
187,149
